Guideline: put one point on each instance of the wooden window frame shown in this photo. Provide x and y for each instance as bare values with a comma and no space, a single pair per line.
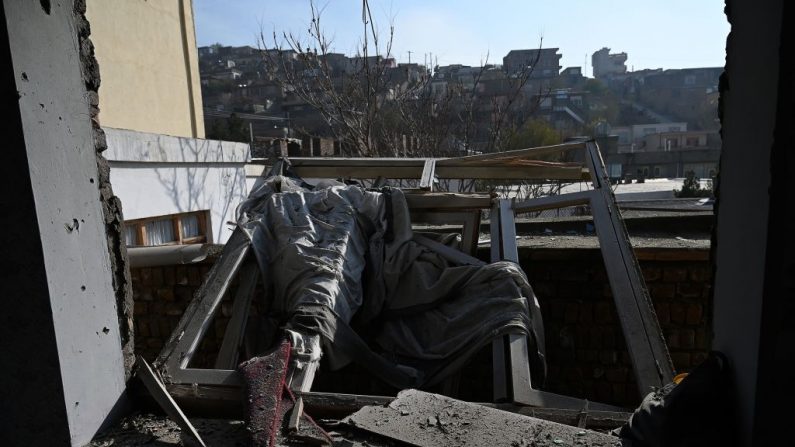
142,240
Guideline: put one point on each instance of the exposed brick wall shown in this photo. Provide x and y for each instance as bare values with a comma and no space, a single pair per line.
586,352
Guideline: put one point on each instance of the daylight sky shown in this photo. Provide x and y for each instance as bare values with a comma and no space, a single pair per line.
654,33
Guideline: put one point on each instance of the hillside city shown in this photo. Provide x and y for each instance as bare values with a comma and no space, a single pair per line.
652,123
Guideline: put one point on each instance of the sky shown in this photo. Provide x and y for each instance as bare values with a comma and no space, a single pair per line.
653,33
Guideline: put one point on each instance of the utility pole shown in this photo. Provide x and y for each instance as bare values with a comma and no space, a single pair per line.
409,55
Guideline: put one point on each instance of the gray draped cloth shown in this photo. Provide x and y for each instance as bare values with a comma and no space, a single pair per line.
340,261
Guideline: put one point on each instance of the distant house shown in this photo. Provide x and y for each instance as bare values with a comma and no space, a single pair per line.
605,64
545,62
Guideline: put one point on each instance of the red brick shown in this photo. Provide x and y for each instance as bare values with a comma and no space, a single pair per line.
605,313
571,313
681,361
181,275
694,314
662,291
572,273
616,375
586,313
702,340
608,357
165,327
587,355
599,274
194,276
674,274
569,290
169,275
678,313
686,290
651,274
139,308
143,328
672,339
135,275
687,338
698,358
165,294
173,309
157,276
663,311
700,274
146,276
598,373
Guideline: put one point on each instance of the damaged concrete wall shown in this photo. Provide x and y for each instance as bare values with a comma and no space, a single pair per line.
749,90
65,275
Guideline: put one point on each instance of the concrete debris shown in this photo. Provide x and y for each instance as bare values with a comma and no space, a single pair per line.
424,419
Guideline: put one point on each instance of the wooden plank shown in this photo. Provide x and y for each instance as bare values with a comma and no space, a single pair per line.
198,316
439,218
233,336
645,343
428,175
295,415
471,233
552,202
227,401
163,398
223,377
448,253
528,153
438,201
498,172
302,379
430,420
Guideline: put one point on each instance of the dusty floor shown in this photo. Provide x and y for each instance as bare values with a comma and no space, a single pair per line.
144,429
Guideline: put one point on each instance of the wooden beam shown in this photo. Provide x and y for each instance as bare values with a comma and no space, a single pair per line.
553,202
439,201
197,318
529,153
164,399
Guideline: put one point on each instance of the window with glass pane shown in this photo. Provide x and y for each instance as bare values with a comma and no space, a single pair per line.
190,226
160,232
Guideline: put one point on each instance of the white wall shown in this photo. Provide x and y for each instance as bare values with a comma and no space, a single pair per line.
154,175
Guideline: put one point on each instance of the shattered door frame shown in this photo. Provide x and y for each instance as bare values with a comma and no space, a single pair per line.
646,345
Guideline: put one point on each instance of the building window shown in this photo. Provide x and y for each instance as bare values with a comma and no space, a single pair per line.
656,171
691,142
173,229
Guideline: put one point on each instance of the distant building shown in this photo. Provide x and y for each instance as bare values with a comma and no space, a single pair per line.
666,154
150,71
545,62
606,64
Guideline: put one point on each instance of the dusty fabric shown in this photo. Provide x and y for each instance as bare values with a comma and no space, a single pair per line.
340,262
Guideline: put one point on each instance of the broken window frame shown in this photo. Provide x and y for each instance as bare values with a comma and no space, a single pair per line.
512,382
